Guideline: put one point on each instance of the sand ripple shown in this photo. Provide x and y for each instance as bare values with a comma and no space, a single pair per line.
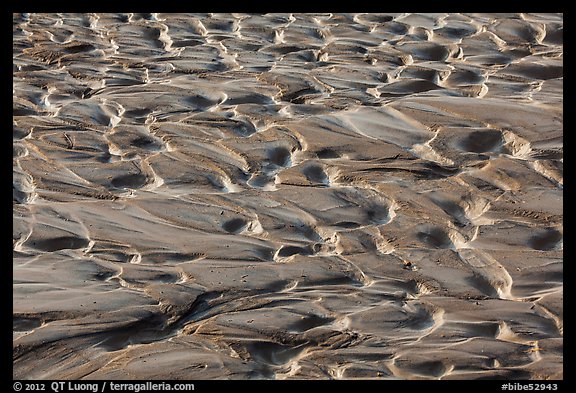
288,196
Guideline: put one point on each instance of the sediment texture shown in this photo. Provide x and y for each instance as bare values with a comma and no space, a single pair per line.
287,196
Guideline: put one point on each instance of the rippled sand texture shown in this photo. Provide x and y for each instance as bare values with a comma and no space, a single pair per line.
288,196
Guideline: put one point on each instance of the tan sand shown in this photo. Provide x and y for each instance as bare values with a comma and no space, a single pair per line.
305,196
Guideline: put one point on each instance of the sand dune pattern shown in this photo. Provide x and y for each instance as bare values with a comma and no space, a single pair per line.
287,196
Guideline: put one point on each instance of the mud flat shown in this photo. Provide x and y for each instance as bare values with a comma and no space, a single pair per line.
288,196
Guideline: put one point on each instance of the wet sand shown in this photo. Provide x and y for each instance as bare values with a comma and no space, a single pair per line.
287,196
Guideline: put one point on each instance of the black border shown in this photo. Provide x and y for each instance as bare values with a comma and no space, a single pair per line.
245,6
